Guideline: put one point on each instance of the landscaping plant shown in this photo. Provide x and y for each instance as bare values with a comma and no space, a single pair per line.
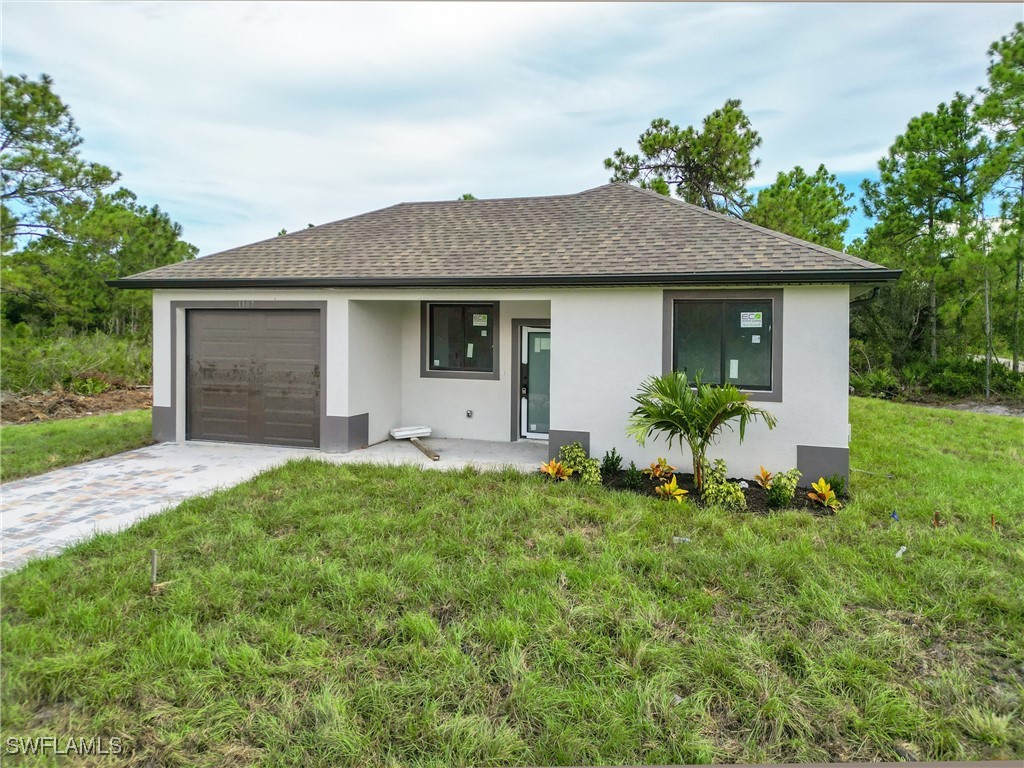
611,464
783,488
764,478
586,469
838,483
670,490
556,470
824,495
718,491
691,412
660,470
634,478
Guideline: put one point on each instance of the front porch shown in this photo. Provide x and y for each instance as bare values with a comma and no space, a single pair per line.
523,455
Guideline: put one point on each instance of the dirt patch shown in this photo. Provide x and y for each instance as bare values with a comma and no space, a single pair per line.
993,409
61,404
995,406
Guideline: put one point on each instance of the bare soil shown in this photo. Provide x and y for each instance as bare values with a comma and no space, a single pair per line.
61,404
997,405
757,497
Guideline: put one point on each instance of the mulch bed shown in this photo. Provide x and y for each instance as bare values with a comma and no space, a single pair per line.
61,404
757,497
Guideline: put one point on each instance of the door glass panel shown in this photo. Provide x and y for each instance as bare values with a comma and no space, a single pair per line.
538,398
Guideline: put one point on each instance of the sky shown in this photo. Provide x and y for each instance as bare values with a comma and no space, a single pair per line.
242,119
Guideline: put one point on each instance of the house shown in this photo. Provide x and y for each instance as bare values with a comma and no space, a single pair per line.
530,318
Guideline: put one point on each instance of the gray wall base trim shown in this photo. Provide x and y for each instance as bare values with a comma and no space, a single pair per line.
816,461
559,437
341,434
164,424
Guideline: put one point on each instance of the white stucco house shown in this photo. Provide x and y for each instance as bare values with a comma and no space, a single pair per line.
512,319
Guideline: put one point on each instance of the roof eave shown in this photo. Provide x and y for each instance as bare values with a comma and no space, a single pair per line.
792,277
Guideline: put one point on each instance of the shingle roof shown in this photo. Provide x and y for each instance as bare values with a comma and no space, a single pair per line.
614,233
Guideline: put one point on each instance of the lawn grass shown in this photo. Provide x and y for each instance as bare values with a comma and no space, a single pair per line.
31,449
359,615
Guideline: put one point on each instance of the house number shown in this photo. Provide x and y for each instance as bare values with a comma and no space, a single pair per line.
246,304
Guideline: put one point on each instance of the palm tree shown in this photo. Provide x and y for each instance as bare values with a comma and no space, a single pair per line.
690,412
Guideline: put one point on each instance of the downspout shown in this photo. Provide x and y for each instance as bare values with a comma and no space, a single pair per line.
867,299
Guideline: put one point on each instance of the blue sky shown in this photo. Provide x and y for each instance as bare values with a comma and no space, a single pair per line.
240,119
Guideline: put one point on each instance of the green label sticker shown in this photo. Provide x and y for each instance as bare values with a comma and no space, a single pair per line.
750,319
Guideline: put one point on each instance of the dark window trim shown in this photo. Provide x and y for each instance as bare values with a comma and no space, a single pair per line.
774,395
426,372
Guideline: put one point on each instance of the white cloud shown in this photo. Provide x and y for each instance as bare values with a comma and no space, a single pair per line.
240,119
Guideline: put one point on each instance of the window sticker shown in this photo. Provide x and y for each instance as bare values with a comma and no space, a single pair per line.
437,363
483,333
734,368
480,321
469,349
541,344
750,319
755,339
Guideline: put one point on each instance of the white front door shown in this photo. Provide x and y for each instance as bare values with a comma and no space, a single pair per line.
535,383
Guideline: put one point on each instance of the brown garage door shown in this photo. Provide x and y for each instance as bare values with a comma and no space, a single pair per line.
254,376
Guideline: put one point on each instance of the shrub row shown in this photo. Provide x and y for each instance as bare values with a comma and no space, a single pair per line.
949,378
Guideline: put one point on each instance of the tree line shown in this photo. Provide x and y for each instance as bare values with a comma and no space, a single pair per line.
947,208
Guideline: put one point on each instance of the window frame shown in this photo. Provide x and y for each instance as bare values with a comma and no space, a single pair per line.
429,372
773,395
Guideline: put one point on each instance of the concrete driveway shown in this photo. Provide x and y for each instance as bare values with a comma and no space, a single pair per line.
44,514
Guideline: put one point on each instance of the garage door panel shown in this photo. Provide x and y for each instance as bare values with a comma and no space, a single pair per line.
254,376
292,321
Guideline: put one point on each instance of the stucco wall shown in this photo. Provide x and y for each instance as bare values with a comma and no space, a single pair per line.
605,342
375,364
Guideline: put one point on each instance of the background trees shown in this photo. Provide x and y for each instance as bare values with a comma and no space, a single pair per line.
947,208
65,229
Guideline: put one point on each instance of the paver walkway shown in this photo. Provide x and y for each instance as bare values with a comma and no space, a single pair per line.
43,514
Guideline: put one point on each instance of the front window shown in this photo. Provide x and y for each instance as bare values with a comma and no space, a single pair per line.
727,340
460,337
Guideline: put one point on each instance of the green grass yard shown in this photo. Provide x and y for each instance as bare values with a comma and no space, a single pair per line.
357,615
31,449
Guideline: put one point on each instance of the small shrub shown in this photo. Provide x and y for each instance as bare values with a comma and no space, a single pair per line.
718,491
660,470
764,478
556,470
880,382
838,483
824,495
670,490
634,479
586,469
914,375
611,464
88,386
783,488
